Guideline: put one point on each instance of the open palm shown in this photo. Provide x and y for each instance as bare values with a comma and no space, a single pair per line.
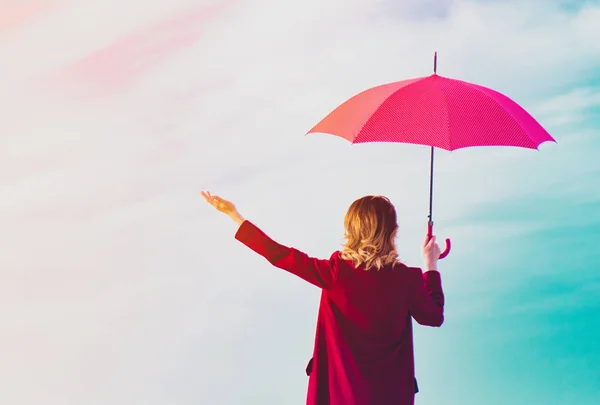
219,203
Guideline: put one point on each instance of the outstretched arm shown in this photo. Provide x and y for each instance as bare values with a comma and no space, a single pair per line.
321,273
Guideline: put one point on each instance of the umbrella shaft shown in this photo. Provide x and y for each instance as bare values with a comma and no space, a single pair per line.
431,188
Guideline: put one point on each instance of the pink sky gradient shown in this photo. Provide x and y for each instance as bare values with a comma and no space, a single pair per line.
17,14
118,65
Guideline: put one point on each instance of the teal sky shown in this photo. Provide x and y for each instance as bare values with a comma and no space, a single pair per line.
120,286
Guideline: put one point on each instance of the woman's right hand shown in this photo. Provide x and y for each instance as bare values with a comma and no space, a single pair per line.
431,253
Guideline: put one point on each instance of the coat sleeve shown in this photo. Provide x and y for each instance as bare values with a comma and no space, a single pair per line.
319,272
427,298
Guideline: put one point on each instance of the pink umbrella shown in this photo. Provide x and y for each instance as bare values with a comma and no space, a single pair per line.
434,111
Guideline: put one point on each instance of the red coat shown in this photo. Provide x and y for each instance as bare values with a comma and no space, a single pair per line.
363,352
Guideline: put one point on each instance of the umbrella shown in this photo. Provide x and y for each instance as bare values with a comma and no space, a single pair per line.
434,111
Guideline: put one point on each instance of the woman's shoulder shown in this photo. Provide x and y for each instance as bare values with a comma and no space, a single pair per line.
337,257
400,266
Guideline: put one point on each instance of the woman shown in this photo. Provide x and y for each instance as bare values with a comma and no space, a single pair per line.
363,353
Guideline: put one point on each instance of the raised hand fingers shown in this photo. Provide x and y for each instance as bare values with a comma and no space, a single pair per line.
219,203
206,195
209,198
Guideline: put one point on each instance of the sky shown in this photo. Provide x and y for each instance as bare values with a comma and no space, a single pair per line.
121,286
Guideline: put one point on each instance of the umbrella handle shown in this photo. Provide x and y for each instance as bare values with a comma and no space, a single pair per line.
448,243
447,249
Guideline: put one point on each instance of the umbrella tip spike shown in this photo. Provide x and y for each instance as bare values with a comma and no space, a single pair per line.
434,62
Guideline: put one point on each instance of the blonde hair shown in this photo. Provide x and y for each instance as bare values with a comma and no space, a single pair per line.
371,227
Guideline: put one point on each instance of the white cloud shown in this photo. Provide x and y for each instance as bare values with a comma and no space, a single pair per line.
570,108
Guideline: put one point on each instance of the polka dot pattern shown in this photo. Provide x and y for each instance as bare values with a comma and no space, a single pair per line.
434,111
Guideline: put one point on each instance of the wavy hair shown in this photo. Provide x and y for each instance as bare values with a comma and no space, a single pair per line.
370,232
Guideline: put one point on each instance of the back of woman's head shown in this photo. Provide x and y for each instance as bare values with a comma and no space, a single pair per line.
371,228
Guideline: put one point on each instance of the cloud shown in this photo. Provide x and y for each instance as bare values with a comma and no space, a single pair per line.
14,15
415,10
570,108
116,66
503,45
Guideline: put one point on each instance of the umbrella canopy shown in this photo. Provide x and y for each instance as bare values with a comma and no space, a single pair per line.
435,111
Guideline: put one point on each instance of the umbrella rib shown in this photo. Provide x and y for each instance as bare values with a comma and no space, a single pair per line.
480,91
380,105
447,117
